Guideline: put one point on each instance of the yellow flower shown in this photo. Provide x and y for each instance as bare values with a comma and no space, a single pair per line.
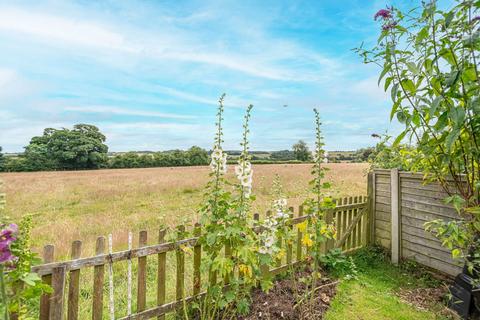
186,249
281,254
307,241
323,230
302,226
246,270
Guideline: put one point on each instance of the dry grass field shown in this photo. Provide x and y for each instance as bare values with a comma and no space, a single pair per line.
85,204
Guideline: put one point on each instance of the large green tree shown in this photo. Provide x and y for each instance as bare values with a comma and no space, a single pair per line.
82,147
300,151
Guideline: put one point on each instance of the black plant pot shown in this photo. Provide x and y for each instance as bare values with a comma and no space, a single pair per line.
465,299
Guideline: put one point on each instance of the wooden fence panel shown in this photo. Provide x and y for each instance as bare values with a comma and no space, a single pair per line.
348,217
418,203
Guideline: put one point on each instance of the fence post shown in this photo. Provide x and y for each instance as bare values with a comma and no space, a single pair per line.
58,286
98,280
161,273
369,228
48,253
395,195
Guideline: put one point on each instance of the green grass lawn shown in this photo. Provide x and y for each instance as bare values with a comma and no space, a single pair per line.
373,295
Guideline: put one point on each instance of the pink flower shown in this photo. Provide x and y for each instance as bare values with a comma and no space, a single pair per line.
7,236
383,13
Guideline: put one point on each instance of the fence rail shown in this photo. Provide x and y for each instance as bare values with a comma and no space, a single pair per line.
350,218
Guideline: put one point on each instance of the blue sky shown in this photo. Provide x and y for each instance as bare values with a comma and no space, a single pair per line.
149,73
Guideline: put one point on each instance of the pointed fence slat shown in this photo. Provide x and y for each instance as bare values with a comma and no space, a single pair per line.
180,283
299,236
48,256
161,273
58,287
197,259
142,274
74,283
98,280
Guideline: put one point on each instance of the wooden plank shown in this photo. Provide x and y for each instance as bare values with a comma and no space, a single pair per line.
385,194
384,187
382,233
58,288
429,208
427,243
330,243
197,259
383,207
299,237
383,242
345,221
395,224
431,262
383,200
338,218
142,274
180,276
419,198
445,257
161,273
439,196
384,216
353,235
419,185
383,179
382,225
418,232
48,256
289,240
74,283
373,209
114,257
98,279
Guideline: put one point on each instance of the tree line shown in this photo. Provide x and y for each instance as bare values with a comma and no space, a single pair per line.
83,147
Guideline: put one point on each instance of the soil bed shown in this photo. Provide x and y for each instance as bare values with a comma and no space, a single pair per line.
286,299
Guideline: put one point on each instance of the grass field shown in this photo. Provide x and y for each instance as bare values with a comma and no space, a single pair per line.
85,204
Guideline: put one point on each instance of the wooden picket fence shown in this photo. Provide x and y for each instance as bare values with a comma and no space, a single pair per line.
351,218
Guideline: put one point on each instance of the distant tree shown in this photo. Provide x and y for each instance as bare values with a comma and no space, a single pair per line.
80,148
197,156
2,160
300,151
282,155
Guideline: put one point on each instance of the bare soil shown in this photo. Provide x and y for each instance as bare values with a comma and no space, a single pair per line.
286,299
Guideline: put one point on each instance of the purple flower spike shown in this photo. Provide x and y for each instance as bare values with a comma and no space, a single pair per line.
383,13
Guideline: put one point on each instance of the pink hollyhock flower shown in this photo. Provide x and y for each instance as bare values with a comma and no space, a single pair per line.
7,236
383,13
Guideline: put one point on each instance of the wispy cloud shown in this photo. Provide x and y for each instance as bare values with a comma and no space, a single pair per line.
126,112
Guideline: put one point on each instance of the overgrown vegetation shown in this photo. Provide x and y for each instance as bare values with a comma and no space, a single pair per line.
429,60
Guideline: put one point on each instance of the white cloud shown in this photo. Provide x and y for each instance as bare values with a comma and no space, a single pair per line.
122,111
72,31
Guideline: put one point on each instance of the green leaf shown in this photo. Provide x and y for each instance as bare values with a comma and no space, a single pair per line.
386,68
413,68
449,18
458,116
435,104
394,91
451,138
422,34
409,86
394,109
399,138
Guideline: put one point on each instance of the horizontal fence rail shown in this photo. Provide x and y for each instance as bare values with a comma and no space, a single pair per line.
350,218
